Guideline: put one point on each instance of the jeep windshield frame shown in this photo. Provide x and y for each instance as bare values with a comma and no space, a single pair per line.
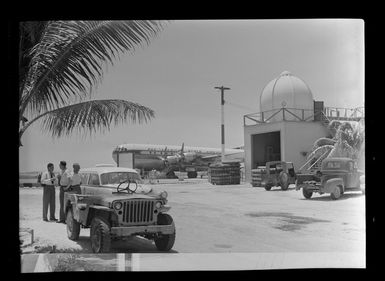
118,177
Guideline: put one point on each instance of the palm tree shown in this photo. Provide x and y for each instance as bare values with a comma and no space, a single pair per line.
61,62
347,140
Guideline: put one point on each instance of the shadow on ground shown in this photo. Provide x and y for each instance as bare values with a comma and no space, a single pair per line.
130,245
287,221
133,244
277,188
326,197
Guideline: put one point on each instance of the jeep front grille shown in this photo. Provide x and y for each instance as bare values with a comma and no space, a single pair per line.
138,211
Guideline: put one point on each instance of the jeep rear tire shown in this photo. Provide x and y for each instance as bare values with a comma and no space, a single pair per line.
164,242
336,193
306,193
73,227
100,236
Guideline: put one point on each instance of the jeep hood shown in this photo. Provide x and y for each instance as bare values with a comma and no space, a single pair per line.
120,196
105,200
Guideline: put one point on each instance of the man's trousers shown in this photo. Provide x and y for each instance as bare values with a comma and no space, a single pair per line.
49,200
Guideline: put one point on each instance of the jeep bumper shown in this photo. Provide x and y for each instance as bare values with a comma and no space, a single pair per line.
131,230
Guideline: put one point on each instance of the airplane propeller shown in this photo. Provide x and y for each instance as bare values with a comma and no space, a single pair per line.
181,158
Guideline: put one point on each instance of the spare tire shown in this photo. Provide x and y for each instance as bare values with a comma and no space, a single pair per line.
284,180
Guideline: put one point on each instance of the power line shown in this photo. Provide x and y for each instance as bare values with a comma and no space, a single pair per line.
239,105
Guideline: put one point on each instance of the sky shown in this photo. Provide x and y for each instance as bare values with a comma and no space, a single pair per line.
176,74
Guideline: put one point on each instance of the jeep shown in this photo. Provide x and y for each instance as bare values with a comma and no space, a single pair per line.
275,173
116,204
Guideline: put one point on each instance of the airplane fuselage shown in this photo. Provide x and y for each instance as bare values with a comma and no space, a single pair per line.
148,156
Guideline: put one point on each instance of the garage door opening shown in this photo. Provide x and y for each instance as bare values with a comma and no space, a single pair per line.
265,147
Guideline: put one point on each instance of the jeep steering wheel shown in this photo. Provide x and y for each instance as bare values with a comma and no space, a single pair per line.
118,189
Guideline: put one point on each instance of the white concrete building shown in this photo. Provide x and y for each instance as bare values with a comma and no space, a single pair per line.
288,123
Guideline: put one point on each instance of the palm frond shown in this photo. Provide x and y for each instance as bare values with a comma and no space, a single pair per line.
323,141
92,116
319,151
69,59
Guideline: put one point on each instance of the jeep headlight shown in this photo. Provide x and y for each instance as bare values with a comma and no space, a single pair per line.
117,205
163,195
158,205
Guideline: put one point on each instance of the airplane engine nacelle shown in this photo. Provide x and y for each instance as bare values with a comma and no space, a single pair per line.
189,156
172,160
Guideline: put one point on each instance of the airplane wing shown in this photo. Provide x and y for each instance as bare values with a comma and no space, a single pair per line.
208,157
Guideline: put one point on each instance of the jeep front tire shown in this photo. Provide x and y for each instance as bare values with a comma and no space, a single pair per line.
73,227
164,242
100,236
268,186
306,192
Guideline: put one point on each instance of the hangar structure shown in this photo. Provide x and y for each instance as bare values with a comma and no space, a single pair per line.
288,123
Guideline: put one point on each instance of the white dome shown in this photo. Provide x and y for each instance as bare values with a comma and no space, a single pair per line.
287,91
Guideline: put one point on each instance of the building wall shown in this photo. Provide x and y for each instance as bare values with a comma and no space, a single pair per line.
296,137
300,137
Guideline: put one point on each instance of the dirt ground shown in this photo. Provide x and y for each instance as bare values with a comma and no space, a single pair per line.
224,219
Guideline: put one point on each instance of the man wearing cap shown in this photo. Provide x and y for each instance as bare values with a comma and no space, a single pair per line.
48,183
64,182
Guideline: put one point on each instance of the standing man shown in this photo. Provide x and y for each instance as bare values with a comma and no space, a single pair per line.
76,180
48,183
64,183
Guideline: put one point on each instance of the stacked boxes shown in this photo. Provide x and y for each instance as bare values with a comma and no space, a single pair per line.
225,173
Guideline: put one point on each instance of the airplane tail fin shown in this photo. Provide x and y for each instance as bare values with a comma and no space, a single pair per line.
181,151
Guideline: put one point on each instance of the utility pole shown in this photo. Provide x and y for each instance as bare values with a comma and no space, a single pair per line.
222,119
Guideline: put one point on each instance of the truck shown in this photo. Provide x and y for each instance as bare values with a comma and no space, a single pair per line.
275,173
116,204
336,176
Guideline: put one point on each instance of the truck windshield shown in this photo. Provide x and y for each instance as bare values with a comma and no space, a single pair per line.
118,177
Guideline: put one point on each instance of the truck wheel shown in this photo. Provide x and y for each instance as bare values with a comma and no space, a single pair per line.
73,227
307,193
192,175
284,181
164,242
336,193
100,236
268,186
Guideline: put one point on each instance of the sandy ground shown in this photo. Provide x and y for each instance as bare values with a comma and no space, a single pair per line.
224,219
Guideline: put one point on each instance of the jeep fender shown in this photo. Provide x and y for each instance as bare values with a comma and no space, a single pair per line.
71,200
331,184
99,211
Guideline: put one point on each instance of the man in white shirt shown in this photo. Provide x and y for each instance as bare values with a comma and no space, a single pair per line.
64,182
75,180
48,183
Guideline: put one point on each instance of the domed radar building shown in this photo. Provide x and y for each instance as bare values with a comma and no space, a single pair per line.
286,91
287,124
